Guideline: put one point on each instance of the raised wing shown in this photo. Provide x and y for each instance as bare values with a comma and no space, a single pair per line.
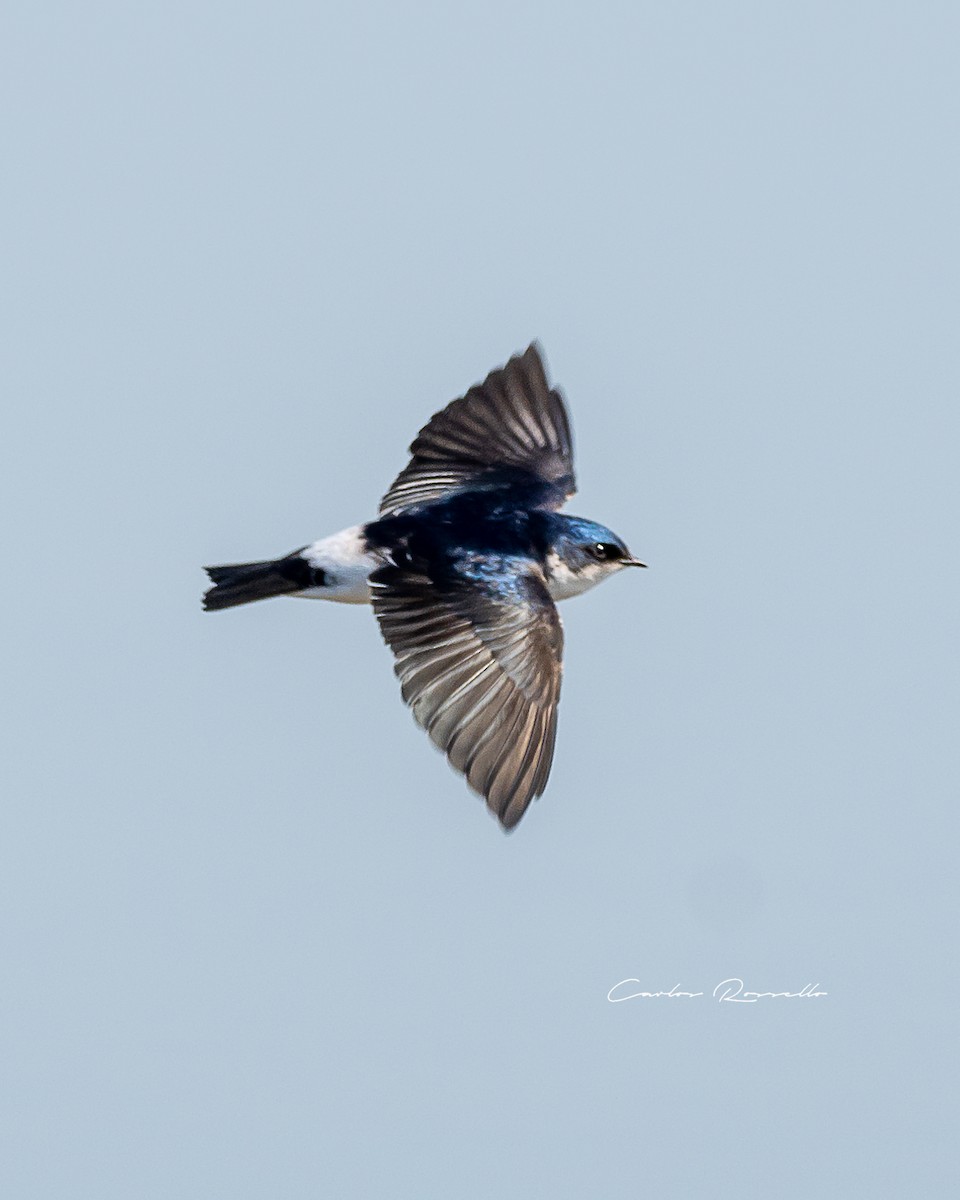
510,432
480,667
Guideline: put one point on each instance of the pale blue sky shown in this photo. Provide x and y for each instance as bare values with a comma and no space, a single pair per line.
257,939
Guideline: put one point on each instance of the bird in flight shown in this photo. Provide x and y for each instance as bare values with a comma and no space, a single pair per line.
463,566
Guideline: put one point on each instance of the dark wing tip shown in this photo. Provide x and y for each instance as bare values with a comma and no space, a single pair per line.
535,359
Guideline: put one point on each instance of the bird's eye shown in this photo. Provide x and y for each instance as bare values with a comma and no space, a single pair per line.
605,552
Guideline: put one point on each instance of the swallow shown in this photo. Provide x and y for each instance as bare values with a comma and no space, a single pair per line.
464,566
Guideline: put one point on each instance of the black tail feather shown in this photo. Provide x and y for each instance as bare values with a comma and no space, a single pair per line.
242,583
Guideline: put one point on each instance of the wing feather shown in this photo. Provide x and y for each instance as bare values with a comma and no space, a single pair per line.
480,668
510,433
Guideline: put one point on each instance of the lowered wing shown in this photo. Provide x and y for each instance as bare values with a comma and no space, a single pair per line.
480,665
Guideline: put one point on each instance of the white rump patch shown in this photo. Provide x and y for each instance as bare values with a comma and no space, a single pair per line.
346,566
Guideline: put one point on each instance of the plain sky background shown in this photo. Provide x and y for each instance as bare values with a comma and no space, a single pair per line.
257,939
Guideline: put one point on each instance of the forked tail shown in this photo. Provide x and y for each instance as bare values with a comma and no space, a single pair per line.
242,583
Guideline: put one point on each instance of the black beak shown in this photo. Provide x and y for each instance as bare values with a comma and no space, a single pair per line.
631,562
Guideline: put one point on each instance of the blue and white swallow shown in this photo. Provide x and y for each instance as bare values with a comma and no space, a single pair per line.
463,567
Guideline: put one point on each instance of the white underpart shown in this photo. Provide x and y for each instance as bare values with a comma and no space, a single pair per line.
346,566
564,583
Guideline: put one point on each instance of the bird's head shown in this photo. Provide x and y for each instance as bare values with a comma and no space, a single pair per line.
582,554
